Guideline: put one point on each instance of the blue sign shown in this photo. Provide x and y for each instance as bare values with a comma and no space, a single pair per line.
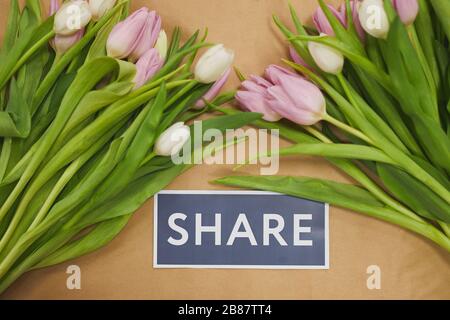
239,229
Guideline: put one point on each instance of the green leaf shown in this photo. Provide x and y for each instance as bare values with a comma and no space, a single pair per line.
434,140
345,195
96,238
141,144
12,27
414,193
410,84
340,194
15,121
131,198
378,98
33,39
335,150
442,10
424,27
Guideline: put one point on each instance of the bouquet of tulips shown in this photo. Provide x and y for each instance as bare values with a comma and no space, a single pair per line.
93,105
369,90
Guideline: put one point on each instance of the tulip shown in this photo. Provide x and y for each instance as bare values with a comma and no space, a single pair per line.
161,44
147,66
71,17
354,4
253,98
63,43
373,18
297,99
213,64
321,22
214,90
327,58
171,141
100,7
150,33
133,35
407,10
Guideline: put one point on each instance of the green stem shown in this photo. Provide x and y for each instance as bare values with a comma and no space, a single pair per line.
347,128
59,186
445,227
180,93
347,91
316,133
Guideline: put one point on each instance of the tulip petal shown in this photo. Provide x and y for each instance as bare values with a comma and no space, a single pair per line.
255,102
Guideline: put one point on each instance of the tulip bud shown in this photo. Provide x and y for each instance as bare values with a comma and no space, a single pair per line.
171,141
373,18
147,66
321,22
297,99
354,5
327,58
63,43
100,7
213,64
407,10
253,98
126,35
161,44
214,90
71,17
148,37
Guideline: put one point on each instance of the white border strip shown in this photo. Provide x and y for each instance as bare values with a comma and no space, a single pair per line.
326,266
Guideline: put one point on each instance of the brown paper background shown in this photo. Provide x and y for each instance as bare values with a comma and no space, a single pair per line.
412,267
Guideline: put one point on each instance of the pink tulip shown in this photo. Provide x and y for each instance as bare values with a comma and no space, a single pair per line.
133,35
321,22
150,34
147,66
214,90
407,10
253,98
63,43
355,16
297,99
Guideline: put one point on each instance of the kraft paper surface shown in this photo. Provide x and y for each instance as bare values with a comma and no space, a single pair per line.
411,267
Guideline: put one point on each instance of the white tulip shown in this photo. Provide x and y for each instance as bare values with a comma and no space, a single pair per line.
100,7
171,141
213,64
71,17
328,59
374,19
161,44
